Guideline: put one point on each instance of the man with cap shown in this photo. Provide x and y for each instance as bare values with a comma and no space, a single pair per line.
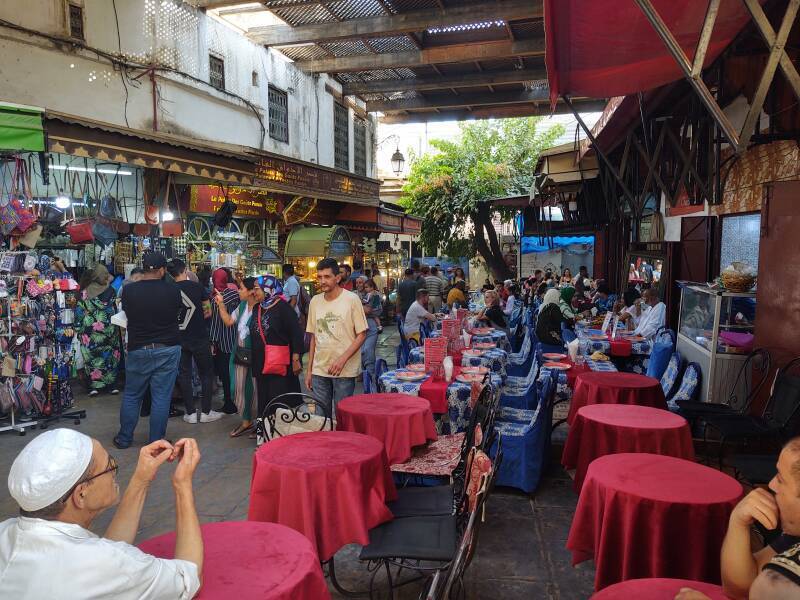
62,480
152,307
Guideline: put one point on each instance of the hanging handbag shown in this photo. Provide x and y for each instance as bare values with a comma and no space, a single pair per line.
243,356
103,232
276,358
224,214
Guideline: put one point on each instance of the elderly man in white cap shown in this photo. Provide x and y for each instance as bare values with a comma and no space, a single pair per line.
62,480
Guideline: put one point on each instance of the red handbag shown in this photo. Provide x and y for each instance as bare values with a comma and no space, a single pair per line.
276,358
172,229
80,231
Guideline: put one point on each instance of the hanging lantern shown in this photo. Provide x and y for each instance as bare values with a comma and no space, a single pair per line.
398,161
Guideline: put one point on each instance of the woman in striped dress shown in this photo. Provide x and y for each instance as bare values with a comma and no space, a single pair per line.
243,387
223,337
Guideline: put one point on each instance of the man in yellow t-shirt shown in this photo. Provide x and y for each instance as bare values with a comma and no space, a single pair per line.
338,328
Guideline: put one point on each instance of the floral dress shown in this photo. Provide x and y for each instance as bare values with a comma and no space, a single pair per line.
100,342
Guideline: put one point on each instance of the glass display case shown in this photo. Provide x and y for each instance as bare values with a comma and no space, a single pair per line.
716,331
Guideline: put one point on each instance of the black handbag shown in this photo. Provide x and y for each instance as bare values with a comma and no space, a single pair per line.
243,356
224,214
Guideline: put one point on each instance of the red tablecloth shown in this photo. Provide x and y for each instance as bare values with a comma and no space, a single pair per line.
600,387
644,515
657,589
399,421
246,560
601,429
620,347
435,392
331,486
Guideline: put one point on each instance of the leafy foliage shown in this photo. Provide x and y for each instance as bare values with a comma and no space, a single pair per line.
490,159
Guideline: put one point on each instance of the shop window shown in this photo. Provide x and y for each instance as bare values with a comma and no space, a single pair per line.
341,137
254,78
360,146
76,22
739,240
278,114
216,72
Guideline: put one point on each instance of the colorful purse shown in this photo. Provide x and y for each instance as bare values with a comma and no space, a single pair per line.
276,358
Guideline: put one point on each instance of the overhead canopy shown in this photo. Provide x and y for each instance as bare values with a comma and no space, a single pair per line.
21,128
604,48
318,241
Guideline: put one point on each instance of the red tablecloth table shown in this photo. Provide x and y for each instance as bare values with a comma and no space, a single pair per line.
657,589
600,387
331,486
601,429
644,515
399,421
258,561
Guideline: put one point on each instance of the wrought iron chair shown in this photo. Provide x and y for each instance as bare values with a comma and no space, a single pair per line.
752,376
292,413
778,423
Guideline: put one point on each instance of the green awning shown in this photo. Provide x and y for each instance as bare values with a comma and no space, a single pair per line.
21,128
318,241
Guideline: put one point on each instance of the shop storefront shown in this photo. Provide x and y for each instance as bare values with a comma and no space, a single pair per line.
307,245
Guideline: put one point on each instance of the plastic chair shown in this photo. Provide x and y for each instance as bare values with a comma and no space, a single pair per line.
665,335
567,334
403,348
689,388
670,380
380,368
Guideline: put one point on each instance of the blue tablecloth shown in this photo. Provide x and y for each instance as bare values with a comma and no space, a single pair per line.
458,394
563,390
604,346
499,338
495,359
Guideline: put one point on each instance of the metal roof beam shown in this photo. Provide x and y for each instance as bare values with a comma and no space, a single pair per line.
421,84
485,112
428,56
215,3
460,101
506,10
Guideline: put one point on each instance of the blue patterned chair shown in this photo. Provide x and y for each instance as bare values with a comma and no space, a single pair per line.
689,388
665,335
525,444
405,344
670,380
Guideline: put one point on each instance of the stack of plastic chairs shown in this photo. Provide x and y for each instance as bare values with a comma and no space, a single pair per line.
519,364
520,392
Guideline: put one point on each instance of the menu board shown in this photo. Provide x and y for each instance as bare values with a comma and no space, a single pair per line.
450,328
435,351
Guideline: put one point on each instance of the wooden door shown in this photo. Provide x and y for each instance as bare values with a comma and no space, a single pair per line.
778,294
692,257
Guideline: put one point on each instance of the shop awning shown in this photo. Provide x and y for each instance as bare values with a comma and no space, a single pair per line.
561,166
21,128
375,219
605,48
318,241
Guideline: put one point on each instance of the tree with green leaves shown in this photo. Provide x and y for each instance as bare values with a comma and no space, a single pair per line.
452,188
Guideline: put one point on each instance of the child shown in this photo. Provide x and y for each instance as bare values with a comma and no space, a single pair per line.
372,299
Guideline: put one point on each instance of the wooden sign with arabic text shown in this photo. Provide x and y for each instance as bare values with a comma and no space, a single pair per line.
250,203
310,181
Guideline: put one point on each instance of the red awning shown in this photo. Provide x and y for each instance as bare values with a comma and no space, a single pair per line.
604,48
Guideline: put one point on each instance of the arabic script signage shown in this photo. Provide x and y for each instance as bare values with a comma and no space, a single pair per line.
307,180
250,203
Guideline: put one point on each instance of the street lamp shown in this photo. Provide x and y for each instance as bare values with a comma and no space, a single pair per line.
397,160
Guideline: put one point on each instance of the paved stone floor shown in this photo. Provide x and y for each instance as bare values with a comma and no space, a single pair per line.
521,552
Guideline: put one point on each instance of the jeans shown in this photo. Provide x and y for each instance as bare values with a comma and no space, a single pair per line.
329,390
368,348
201,353
157,369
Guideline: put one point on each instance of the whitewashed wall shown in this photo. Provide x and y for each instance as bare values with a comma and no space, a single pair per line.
35,71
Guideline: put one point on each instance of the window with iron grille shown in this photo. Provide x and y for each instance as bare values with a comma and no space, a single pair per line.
278,114
360,147
216,72
341,138
76,22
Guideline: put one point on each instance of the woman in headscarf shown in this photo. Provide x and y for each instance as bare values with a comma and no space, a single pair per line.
565,304
100,341
548,324
222,336
240,320
275,330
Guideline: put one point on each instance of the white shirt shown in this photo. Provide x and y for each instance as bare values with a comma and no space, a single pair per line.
54,560
509,308
651,321
416,314
631,310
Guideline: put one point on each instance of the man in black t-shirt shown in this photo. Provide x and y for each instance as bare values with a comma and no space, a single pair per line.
406,293
152,306
195,345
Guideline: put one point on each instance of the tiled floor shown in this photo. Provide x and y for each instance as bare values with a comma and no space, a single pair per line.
521,552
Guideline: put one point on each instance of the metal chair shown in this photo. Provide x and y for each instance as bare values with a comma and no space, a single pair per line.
752,376
292,413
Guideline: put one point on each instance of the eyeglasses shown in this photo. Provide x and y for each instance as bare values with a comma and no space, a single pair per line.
112,467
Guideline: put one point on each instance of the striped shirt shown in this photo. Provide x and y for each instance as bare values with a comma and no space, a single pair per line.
220,333
434,285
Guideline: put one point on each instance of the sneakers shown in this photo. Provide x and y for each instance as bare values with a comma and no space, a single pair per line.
93,393
204,417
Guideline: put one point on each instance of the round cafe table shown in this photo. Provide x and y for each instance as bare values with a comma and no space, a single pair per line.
236,553
399,421
331,486
615,388
601,429
645,515
657,589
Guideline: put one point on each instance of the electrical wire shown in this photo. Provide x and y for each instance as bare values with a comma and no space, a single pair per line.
121,71
120,62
